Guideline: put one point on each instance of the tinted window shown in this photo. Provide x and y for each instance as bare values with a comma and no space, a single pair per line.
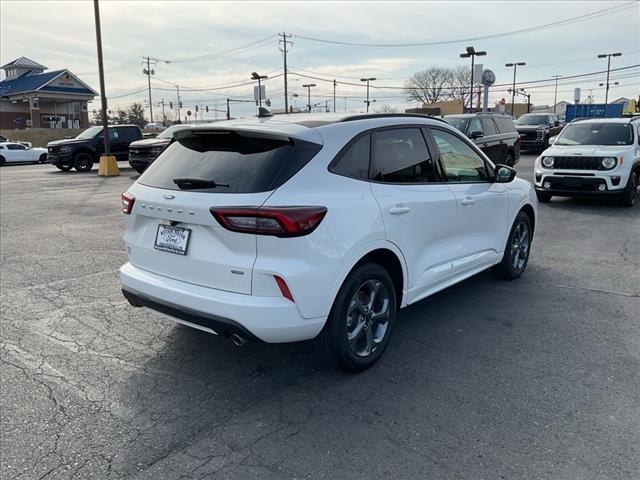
475,125
488,127
114,134
457,122
90,133
354,162
401,156
461,163
596,134
247,164
128,134
16,146
529,119
505,124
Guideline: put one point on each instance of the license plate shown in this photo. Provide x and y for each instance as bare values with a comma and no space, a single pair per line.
172,239
572,182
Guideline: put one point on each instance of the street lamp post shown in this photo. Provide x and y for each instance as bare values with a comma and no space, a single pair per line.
308,87
255,76
471,52
515,66
608,57
370,79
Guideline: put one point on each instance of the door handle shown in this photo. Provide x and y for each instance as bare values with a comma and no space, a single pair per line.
468,201
399,210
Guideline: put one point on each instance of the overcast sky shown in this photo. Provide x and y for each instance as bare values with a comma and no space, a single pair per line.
202,39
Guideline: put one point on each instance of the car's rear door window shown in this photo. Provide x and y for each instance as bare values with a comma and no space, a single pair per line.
400,155
237,162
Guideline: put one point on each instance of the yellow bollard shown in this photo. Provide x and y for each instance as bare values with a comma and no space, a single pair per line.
108,166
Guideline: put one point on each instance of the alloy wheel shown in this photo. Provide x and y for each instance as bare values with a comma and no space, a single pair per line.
519,246
368,318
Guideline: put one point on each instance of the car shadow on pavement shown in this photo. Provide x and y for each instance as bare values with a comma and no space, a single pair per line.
195,393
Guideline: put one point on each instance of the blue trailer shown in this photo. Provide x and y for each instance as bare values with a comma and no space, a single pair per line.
594,110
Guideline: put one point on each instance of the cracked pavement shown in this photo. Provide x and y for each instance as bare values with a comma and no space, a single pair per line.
533,379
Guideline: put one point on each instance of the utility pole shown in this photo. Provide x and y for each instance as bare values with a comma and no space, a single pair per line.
370,79
515,65
608,57
334,95
284,43
471,52
151,62
308,87
178,104
555,95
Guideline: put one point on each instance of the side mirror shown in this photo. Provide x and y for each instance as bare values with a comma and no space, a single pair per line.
556,123
552,140
476,134
504,174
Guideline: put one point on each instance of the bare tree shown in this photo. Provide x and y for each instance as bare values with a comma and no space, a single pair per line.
387,109
430,85
459,87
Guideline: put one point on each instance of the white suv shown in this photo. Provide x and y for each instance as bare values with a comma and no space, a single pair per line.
594,157
298,227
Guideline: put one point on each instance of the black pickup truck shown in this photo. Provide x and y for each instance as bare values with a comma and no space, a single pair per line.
143,152
85,150
536,129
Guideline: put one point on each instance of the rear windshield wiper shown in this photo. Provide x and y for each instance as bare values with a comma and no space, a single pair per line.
189,183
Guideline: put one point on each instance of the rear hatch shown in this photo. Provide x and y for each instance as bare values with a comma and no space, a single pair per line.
207,168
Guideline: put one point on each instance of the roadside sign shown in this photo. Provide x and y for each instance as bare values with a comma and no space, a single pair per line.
189,112
256,94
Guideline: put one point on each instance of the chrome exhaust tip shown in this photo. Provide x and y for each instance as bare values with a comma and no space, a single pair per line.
238,340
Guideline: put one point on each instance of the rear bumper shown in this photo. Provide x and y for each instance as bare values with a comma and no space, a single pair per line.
270,319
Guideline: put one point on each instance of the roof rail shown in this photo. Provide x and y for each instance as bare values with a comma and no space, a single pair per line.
367,116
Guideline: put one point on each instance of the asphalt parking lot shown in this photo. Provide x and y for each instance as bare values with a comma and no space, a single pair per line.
533,379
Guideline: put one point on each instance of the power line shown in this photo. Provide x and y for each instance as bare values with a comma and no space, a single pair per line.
226,53
580,18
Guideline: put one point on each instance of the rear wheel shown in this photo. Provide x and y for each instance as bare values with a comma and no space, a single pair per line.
65,167
630,193
43,158
361,320
516,252
83,162
543,197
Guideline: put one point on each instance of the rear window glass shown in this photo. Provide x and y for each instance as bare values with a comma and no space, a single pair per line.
237,163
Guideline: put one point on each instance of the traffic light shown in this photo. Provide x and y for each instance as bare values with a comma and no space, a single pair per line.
180,103
196,108
171,105
206,108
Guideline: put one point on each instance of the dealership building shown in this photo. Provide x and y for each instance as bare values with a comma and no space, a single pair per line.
31,97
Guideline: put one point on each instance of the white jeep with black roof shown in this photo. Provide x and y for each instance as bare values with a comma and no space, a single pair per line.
592,157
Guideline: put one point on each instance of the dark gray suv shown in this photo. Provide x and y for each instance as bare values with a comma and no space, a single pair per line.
495,134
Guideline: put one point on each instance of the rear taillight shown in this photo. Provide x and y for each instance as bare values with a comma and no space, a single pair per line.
277,221
127,203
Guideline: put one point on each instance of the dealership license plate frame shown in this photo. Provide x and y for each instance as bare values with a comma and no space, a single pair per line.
166,246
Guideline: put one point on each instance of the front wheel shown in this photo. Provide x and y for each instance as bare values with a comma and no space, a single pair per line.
516,252
83,162
361,320
630,193
43,158
543,197
508,159
65,167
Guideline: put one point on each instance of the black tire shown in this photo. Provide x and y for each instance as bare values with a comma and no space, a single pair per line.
543,197
511,267
65,167
43,158
83,162
2,161
333,345
630,194
139,169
